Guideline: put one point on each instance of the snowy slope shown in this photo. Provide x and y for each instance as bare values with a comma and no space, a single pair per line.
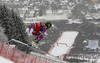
4,60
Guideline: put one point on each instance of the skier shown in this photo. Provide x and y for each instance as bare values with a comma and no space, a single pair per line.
38,30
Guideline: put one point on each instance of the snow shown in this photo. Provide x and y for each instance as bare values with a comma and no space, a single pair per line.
46,18
93,44
4,60
98,61
64,43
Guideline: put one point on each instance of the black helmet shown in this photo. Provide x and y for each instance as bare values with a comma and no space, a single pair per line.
48,24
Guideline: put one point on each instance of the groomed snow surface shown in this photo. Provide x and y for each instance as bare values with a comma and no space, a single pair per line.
64,43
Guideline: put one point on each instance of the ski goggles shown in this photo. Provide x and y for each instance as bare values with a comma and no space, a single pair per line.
48,25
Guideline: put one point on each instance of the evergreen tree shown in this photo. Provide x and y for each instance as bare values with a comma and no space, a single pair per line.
6,20
13,25
19,28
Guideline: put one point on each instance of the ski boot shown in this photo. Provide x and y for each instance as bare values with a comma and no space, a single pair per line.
34,44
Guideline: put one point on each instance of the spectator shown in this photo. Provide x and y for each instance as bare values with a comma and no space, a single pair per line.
54,7
42,9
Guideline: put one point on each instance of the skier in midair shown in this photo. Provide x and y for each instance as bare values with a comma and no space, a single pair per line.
38,30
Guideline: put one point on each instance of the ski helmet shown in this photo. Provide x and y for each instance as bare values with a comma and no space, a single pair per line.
48,24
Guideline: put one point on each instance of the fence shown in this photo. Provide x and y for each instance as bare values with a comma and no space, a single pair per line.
17,56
